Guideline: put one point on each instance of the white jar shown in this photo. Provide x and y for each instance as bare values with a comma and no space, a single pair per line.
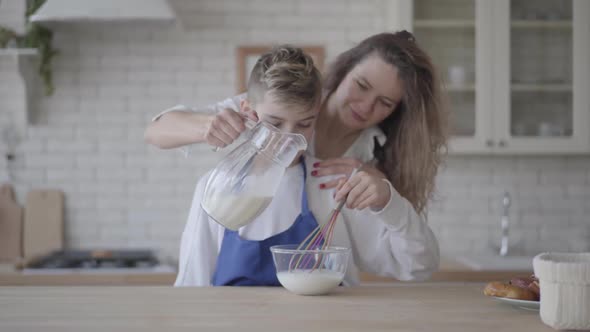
457,75
565,289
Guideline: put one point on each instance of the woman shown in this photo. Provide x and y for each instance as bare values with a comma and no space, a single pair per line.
381,111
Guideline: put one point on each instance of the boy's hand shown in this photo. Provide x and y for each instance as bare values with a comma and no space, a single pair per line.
226,126
364,189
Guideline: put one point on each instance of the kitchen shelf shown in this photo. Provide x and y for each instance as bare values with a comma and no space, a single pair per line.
18,51
460,88
541,24
444,24
518,87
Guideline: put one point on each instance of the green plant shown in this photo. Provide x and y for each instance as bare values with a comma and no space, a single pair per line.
36,37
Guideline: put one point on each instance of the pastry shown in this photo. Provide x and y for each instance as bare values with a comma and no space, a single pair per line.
500,289
522,282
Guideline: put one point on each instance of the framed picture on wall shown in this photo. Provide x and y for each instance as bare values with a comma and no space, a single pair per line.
247,56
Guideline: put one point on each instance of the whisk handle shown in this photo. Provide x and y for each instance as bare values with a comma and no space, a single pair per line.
341,204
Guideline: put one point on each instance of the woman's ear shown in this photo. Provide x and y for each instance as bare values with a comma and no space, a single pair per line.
246,109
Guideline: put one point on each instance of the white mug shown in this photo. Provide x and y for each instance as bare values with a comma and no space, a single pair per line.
457,75
545,129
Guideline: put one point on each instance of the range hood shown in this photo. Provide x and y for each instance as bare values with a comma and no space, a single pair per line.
103,11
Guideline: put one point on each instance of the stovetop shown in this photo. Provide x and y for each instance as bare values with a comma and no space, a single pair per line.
95,259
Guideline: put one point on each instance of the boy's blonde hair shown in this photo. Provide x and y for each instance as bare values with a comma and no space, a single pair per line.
288,75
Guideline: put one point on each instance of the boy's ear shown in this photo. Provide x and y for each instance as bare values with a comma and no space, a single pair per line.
247,110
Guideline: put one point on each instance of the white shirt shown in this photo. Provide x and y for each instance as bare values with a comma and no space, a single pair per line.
393,242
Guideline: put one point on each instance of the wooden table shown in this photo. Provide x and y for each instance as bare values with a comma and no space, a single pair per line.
398,307
449,271
163,276
78,279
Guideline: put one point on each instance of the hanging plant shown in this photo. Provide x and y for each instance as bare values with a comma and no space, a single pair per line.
37,37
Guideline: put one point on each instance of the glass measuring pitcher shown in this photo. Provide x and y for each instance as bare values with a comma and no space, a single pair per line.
245,181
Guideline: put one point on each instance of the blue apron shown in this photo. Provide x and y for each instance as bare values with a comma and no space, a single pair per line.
249,263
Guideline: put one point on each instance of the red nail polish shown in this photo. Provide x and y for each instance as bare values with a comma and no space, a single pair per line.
322,186
314,173
316,164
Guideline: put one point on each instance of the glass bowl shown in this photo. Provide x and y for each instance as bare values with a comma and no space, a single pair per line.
310,272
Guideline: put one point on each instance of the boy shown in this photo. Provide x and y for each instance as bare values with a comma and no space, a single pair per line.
284,90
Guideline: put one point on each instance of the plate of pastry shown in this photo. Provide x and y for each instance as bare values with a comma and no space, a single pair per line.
523,304
521,292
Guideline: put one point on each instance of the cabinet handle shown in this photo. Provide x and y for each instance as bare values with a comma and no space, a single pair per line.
502,143
489,143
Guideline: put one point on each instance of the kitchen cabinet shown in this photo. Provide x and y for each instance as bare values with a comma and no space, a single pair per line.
400,307
517,72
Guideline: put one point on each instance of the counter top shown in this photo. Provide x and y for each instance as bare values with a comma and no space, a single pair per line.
449,271
396,307
165,275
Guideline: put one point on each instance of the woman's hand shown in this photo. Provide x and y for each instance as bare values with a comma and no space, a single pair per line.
365,189
335,166
226,126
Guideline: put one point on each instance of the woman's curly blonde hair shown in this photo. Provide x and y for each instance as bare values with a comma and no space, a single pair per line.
417,130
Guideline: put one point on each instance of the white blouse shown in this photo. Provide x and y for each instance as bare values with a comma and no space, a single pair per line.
393,242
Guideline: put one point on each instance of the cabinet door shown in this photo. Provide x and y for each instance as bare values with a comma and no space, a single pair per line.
541,78
452,31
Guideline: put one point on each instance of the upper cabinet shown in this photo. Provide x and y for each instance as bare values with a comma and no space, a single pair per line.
517,72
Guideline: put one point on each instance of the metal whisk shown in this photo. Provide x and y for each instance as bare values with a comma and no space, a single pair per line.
321,237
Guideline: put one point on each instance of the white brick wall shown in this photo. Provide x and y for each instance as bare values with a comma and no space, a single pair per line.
12,15
111,79
550,203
